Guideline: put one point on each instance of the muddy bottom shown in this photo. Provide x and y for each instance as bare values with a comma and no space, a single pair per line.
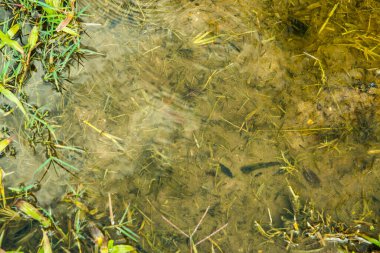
218,107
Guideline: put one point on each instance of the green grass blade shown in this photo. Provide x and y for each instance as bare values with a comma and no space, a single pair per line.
128,233
43,165
65,164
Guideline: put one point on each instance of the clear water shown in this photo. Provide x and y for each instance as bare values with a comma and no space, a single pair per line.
181,104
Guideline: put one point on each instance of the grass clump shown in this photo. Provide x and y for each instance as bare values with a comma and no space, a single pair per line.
307,229
43,37
25,225
37,38
36,31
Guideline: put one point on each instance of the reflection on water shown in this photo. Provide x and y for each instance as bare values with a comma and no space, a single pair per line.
190,85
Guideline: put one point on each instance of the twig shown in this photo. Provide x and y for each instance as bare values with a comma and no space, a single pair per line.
110,207
212,234
174,226
200,221
328,18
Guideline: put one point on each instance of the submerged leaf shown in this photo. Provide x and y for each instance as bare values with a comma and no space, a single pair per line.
96,234
31,211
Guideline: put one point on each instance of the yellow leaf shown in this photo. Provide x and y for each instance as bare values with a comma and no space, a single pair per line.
4,143
57,3
123,249
33,37
2,191
54,3
13,30
49,2
70,31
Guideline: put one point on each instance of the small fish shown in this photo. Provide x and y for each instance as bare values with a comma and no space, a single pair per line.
249,168
226,171
311,177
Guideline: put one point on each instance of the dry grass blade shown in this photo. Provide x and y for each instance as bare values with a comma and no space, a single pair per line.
111,137
212,234
202,39
200,221
174,226
65,22
2,191
7,214
328,18
46,246
110,209
193,245
373,151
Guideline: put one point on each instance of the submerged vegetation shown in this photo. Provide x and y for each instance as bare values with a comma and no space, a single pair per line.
44,38
307,229
213,111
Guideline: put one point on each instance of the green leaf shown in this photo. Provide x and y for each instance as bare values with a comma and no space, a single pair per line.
371,240
49,9
11,43
122,249
11,97
11,33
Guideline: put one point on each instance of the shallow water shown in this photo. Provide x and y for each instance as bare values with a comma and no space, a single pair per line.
245,93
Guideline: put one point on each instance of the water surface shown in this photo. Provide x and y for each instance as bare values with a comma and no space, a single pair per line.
186,86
